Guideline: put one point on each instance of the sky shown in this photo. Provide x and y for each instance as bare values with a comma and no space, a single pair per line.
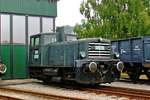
68,12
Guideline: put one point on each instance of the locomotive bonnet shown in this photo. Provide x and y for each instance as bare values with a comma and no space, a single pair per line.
61,56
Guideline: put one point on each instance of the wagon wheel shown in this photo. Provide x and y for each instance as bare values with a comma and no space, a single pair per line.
148,73
134,73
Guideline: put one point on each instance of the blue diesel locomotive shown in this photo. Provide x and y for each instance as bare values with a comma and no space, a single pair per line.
85,61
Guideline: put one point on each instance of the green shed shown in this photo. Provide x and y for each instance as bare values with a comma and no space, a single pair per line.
18,20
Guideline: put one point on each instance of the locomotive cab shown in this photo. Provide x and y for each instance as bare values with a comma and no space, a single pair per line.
36,43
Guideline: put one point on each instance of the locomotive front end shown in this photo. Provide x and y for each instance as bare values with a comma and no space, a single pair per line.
99,66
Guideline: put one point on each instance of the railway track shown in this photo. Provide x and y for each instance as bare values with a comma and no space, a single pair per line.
117,91
140,81
108,90
2,97
122,92
17,94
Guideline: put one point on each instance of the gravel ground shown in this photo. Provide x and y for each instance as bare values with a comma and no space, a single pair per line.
37,86
21,96
130,85
16,81
61,91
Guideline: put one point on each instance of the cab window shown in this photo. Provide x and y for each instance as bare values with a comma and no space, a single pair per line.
49,39
32,42
37,41
70,38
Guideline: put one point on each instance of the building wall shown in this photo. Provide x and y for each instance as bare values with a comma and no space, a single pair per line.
19,19
15,31
29,7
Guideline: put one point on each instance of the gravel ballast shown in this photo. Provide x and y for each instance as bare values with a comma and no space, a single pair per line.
39,87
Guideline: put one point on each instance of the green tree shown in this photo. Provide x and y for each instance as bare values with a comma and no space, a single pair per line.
114,19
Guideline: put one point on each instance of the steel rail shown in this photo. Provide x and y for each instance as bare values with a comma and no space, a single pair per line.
37,94
111,90
123,92
3,97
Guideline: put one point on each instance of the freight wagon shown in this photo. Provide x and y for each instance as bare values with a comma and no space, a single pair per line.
135,54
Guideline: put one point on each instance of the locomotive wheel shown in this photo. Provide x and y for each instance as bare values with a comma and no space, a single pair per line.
45,81
117,75
148,73
134,73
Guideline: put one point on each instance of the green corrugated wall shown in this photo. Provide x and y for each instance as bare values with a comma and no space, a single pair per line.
19,68
30,7
19,61
5,55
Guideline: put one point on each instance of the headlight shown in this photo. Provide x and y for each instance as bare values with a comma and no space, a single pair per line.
82,54
120,66
93,67
117,55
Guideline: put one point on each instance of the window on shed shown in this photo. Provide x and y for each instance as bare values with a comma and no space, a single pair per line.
47,25
19,29
34,25
5,28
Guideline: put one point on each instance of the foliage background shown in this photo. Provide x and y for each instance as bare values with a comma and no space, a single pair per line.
114,19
